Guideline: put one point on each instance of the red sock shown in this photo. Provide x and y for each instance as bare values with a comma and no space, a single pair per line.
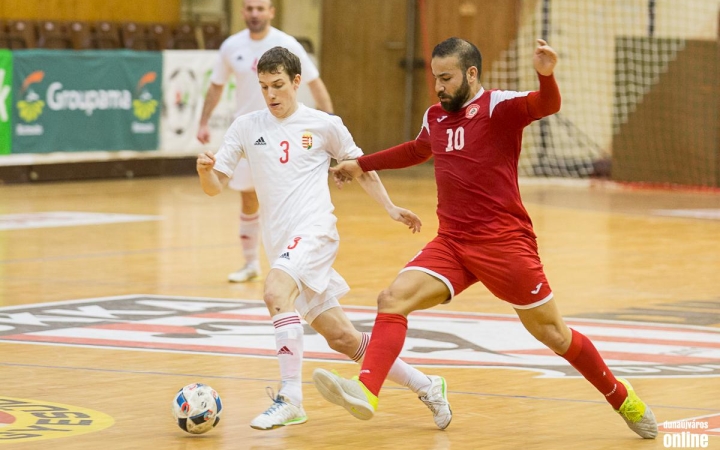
386,343
584,357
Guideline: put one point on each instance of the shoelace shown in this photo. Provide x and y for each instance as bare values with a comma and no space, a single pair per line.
277,403
432,404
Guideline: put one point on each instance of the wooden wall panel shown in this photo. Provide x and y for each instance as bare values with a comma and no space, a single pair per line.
113,10
674,133
363,45
489,24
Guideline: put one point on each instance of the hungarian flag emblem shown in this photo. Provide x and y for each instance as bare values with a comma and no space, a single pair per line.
307,139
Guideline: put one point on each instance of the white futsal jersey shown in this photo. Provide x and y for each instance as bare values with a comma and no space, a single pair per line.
289,160
239,55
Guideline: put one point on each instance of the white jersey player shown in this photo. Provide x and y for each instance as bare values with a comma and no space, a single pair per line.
238,56
289,147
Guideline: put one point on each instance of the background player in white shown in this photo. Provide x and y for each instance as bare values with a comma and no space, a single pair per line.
288,147
239,55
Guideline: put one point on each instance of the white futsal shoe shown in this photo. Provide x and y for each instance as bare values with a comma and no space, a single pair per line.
281,413
436,399
250,272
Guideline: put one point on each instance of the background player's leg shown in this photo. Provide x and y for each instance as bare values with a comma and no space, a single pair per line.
242,181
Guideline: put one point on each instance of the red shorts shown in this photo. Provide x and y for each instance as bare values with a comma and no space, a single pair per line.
510,269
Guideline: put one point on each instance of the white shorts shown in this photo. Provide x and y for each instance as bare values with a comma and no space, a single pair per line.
242,179
309,259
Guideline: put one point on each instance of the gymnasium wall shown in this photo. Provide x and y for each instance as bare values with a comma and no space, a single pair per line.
89,10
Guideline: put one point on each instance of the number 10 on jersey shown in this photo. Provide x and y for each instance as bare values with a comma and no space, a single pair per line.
456,139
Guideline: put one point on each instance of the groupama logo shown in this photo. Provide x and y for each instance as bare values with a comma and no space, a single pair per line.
31,107
144,106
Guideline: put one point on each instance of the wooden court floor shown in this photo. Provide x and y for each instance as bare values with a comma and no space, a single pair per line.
637,270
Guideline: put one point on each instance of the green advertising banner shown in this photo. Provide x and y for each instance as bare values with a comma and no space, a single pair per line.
6,73
65,100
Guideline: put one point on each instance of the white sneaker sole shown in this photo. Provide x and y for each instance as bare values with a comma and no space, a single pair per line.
326,383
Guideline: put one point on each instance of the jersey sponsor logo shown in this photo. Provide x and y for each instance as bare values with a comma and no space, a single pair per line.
440,119
260,141
23,420
472,110
437,338
286,255
307,140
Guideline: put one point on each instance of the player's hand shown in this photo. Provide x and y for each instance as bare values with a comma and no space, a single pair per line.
203,134
345,171
545,58
205,162
407,217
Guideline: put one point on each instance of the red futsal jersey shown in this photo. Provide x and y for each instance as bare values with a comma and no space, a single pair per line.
476,154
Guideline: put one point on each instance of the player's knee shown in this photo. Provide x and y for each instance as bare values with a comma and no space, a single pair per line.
552,336
386,301
274,302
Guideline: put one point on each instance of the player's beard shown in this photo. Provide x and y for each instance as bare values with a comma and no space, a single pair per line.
455,102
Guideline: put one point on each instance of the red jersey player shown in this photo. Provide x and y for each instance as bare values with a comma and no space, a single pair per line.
485,234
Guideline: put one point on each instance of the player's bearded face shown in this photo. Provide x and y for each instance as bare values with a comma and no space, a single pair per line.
453,102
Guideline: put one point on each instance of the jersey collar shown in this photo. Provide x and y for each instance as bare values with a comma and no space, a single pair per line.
477,96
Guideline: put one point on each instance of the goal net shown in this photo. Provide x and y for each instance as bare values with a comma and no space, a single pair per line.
640,83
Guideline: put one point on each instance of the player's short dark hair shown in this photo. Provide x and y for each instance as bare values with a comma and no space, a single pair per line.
467,53
278,59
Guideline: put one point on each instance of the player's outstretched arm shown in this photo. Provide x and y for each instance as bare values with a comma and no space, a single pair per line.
212,181
345,171
370,182
545,58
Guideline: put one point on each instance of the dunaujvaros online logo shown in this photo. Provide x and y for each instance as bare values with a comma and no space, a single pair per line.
685,434
144,106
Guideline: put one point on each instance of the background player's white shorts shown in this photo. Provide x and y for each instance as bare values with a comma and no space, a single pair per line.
309,259
242,179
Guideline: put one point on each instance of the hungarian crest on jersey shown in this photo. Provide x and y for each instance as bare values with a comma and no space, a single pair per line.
307,140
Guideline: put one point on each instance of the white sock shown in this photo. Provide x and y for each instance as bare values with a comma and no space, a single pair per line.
289,346
250,237
401,372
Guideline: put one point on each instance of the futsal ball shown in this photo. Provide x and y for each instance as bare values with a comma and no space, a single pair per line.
197,408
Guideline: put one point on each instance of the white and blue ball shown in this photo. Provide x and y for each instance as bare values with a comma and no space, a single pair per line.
197,408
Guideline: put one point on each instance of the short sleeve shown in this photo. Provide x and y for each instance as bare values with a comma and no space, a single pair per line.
340,143
231,150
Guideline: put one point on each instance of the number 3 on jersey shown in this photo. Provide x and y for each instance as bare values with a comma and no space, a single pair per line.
286,152
456,139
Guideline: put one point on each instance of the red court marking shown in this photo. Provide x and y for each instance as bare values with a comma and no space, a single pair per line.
6,419
626,356
148,327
